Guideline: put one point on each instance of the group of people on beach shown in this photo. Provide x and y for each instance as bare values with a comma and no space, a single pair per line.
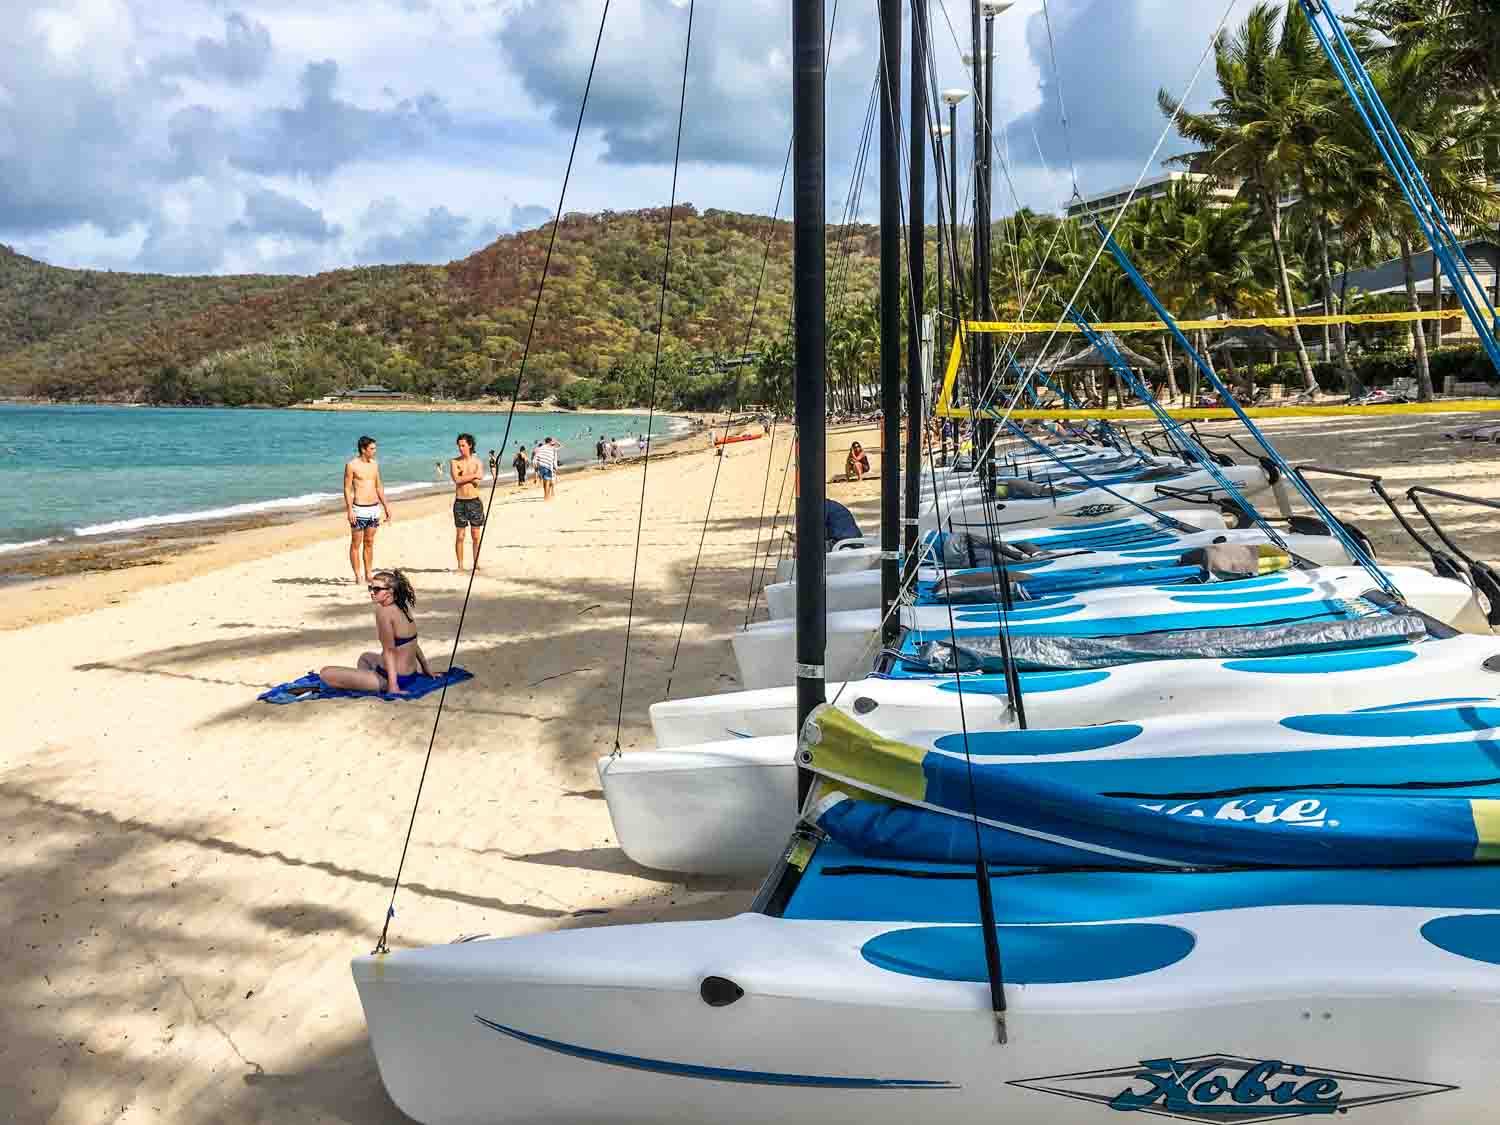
365,503
365,507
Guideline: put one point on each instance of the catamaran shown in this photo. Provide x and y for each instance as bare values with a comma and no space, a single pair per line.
1260,915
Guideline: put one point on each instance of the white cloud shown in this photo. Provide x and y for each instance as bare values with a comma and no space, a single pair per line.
265,134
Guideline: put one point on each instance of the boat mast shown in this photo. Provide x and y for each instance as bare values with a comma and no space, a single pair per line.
916,245
890,318
809,270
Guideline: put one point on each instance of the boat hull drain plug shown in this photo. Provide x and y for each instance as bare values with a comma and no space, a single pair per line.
719,992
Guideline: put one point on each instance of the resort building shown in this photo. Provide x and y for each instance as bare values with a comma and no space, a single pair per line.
373,391
1389,279
1106,203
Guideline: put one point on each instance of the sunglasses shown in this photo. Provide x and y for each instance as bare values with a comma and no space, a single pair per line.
378,589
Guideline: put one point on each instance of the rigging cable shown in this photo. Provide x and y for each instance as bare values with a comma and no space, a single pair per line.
1062,108
390,912
1052,337
1119,216
1337,529
661,324
770,438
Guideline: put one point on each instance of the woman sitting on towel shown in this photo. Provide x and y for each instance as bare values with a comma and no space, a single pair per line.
400,655
857,464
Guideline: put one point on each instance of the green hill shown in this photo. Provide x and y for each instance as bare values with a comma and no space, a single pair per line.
451,331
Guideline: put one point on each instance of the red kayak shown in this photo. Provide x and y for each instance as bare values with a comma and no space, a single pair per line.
737,437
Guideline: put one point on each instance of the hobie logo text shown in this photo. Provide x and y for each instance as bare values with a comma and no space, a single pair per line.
1304,812
1173,1085
1229,1089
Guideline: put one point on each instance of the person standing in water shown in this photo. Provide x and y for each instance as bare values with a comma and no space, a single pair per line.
468,510
364,501
520,463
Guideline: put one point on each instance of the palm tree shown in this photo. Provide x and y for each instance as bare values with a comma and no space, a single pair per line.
1450,137
1464,34
1267,123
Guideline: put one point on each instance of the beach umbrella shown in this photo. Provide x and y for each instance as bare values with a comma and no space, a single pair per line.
1251,339
1092,357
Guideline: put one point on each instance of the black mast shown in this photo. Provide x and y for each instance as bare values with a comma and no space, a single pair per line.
809,269
979,310
890,315
916,245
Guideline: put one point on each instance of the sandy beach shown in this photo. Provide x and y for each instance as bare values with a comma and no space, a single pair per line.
189,871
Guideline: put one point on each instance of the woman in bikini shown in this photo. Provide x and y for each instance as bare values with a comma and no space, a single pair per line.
400,655
857,464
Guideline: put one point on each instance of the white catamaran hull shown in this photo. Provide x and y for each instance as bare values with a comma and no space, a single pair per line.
720,793
1328,1009
966,510
1454,667
766,651
860,589
852,559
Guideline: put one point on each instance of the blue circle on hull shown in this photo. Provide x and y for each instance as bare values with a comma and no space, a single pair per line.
1032,954
1237,597
1064,740
1398,724
1474,936
1317,662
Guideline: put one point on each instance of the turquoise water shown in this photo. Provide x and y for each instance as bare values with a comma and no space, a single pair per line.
68,471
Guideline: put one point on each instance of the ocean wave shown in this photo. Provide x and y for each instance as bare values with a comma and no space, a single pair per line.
233,511
236,511
6,548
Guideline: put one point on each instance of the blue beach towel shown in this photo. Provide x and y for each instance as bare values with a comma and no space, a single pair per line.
414,688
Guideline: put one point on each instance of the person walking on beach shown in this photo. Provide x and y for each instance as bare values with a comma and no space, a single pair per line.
601,450
390,670
364,501
468,509
494,463
520,463
544,461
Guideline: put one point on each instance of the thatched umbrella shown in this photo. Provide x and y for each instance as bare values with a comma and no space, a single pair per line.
1249,338
1092,358
1253,338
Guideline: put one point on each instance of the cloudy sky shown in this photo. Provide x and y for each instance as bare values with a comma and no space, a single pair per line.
221,136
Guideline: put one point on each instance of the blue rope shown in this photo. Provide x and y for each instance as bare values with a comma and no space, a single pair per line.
1356,552
1106,347
1446,247
1166,520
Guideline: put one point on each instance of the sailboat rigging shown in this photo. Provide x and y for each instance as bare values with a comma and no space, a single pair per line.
1132,804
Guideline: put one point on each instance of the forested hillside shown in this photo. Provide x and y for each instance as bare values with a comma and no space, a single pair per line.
47,313
451,331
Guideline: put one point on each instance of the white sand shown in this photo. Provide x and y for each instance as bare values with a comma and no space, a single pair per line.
188,871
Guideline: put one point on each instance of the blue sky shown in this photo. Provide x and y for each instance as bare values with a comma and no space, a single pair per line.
218,136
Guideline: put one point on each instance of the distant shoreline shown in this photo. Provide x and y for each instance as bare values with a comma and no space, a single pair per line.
377,405
697,417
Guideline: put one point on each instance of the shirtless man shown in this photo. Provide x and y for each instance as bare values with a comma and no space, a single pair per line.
364,500
468,510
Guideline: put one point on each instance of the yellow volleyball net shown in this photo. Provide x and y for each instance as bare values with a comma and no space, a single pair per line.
946,407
